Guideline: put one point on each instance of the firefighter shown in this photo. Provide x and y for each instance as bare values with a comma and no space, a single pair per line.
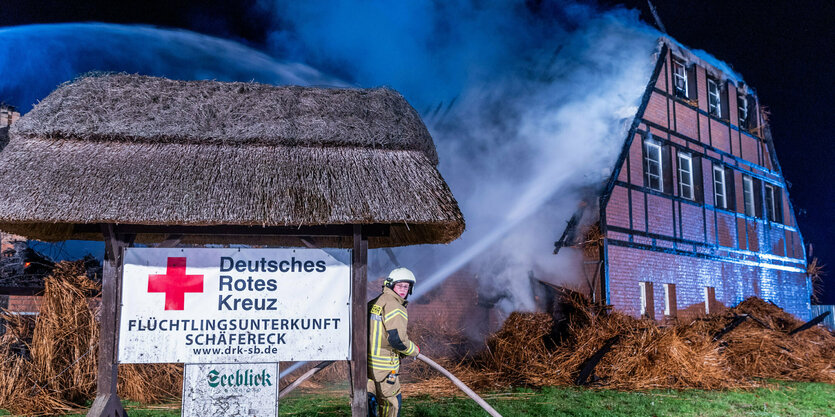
388,342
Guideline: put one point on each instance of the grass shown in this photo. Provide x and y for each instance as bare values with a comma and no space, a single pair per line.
787,400
784,399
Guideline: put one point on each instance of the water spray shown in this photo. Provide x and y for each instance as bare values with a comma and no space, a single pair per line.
534,198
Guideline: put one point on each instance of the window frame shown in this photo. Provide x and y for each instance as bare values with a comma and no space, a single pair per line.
685,92
710,298
714,109
648,176
670,304
742,108
681,183
748,196
770,203
716,184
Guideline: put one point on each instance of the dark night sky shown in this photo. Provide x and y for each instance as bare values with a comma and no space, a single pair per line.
785,50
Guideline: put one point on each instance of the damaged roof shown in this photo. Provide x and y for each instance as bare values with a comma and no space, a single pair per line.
132,149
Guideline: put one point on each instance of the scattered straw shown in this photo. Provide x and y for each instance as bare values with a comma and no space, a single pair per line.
54,368
529,351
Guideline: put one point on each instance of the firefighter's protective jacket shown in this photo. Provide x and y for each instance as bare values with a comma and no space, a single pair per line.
387,338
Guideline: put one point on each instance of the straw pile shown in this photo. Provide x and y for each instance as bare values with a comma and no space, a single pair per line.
56,370
530,351
770,352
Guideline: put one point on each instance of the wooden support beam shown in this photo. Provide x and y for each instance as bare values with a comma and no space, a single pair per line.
375,230
170,242
587,368
359,324
107,402
760,322
309,242
732,325
810,323
392,258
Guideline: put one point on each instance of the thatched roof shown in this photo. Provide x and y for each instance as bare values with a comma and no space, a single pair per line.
130,149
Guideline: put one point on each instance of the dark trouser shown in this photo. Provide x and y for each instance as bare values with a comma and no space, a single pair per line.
386,395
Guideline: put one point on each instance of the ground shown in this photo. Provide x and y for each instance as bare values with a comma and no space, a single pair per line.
782,399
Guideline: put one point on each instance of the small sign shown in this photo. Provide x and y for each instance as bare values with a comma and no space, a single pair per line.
235,305
219,390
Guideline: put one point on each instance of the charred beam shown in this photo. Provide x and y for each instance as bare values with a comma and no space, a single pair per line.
587,368
762,323
810,323
567,238
732,325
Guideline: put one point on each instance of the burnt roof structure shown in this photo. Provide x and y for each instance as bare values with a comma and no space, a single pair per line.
138,150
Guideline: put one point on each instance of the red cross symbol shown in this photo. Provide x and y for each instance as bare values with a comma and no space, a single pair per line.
175,284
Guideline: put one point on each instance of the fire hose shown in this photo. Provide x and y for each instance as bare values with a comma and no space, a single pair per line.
322,365
304,377
460,385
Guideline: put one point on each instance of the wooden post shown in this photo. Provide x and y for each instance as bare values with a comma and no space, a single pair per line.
359,324
107,402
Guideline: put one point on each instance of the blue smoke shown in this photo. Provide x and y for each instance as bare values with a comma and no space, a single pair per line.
35,59
429,51
527,103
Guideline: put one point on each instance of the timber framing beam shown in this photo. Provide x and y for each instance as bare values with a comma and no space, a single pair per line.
374,230
107,402
359,324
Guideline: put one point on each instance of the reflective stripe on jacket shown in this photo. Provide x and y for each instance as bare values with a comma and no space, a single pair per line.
387,337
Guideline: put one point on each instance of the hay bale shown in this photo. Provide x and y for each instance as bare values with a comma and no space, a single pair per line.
58,373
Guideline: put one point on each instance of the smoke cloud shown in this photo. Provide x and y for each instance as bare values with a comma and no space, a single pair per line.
528,103
38,58
529,106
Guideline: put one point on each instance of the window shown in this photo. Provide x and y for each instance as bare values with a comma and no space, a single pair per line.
670,300
770,203
647,300
685,175
742,105
748,195
680,79
652,166
714,99
710,298
719,192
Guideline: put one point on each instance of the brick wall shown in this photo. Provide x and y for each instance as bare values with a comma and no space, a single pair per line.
8,115
24,303
732,282
662,238
452,309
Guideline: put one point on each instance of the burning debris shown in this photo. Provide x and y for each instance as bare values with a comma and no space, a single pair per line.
23,269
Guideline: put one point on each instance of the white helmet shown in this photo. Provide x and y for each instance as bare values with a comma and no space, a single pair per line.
400,275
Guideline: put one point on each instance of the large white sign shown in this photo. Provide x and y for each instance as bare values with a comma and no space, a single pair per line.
235,305
222,390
